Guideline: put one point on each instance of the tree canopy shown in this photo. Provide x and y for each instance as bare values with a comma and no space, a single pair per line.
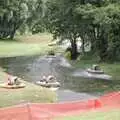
94,21
15,14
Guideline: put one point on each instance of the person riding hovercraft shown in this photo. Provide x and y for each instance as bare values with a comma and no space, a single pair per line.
13,80
95,69
49,81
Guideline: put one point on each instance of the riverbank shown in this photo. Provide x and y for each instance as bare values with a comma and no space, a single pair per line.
31,93
98,85
109,68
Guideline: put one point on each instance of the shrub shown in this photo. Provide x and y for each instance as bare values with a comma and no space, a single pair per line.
51,52
68,55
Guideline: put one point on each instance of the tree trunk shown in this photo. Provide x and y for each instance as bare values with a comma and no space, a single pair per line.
93,41
83,45
12,33
74,52
102,46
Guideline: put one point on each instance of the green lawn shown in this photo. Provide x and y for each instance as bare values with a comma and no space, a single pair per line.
25,45
31,93
112,69
88,60
108,115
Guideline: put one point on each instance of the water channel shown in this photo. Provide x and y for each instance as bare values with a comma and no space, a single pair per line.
33,68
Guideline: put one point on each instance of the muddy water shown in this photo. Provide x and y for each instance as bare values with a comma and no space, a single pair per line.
33,68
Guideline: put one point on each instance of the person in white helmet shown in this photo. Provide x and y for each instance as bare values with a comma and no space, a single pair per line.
12,80
44,79
50,78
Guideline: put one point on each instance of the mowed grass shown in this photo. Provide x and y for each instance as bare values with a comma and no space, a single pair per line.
89,59
112,69
25,45
106,115
31,93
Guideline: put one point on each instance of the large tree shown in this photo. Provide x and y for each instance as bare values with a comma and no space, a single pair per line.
18,13
63,23
103,21
96,21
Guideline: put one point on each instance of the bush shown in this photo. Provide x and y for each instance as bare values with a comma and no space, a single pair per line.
68,55
51,52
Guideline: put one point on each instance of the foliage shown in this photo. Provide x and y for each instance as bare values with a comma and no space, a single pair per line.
104,23
62,23
96,22
51,52
68,55
15,14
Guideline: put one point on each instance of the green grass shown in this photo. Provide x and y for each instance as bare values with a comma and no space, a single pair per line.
31,93
108,115
88,60
25,45
112,69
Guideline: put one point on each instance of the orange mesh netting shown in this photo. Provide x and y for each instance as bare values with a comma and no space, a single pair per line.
48,111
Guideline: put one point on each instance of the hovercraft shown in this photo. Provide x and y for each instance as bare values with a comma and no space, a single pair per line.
13,83
49,82
4,85
95,70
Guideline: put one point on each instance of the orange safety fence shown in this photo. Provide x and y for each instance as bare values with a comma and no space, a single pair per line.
41,111
111,100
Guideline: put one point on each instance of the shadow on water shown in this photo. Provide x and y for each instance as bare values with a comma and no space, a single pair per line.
33,68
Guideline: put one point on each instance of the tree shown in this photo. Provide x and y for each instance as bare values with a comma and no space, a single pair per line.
63,23
16,14
11,18
103,28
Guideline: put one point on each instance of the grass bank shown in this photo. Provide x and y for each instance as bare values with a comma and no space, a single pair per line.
88,60
25,45
31,93
108,115
112,69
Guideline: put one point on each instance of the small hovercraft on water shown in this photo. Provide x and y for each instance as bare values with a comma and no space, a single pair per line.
13,82
49,82
95,70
